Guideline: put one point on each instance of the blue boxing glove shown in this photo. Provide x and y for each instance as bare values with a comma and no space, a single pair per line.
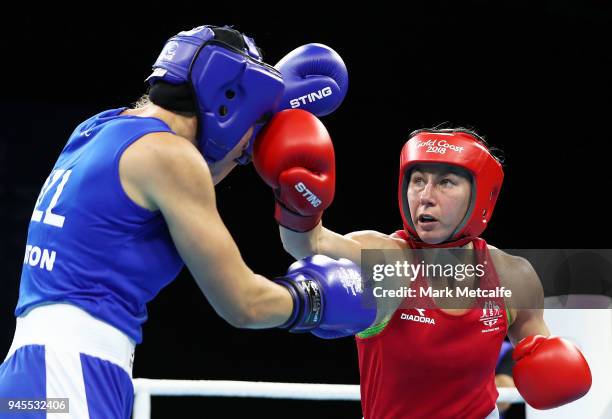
315,78
327,298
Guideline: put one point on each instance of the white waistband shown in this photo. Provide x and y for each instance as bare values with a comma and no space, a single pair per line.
67,327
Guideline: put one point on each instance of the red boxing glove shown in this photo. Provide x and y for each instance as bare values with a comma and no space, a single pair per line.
295,156
550,371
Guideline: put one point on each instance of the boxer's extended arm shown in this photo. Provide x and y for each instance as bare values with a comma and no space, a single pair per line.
166,172
550,371
323,241
527,298
320,241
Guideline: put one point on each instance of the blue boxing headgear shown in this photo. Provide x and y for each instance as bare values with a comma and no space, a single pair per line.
233,89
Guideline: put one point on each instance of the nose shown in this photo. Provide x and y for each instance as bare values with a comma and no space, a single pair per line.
426,196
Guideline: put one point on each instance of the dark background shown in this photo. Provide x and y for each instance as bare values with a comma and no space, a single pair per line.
532,77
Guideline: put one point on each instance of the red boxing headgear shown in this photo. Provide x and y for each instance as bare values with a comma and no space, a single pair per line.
461,149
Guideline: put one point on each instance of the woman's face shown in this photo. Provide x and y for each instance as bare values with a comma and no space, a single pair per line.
439,197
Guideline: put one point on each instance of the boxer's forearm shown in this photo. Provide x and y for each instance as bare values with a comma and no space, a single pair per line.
301,245
320,241
266,305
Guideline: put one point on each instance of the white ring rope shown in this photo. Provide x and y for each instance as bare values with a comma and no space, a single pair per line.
144,388
218,388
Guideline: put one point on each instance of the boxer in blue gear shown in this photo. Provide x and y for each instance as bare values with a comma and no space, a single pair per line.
129,201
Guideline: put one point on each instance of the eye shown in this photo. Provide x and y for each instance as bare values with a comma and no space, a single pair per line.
447,182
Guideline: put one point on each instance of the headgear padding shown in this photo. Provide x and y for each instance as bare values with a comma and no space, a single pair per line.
232,87
460,149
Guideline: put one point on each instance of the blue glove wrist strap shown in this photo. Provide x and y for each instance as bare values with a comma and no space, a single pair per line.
307,304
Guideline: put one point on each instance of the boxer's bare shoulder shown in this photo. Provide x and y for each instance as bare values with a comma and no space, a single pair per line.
371,239
517,275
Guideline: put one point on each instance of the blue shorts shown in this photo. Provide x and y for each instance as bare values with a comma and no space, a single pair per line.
96,388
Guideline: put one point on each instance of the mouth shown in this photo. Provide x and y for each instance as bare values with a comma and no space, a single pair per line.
427,222
426,218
